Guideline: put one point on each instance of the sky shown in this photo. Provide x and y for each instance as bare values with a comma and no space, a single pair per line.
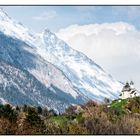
55,17
110,35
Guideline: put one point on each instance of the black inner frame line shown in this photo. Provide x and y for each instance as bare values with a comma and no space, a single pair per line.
69,5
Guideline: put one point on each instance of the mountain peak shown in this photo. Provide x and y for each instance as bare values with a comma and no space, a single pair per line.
47,30
68,76
49,37
48,33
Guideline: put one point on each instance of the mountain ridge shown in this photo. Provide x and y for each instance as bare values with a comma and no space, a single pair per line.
51,61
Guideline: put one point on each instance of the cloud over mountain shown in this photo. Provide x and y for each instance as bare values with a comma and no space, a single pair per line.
115,46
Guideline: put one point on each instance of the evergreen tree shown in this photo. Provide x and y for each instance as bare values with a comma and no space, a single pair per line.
39,110
25,108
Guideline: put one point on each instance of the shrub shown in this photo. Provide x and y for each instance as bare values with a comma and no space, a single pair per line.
76,129
39,110
6,111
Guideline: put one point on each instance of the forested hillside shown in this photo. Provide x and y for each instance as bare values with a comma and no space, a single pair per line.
119,117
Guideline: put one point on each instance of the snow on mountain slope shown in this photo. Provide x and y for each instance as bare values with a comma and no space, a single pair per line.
13,28
18,87
70,71
88,77
18,52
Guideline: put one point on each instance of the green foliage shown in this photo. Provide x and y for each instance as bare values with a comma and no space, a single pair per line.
6,111
39,110
33,117
125,106
56,125
118,107
80,118
59,120
118,117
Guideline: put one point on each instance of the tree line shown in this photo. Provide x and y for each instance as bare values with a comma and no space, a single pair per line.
115,118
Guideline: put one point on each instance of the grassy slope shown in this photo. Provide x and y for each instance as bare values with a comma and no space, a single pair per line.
59,120
130,105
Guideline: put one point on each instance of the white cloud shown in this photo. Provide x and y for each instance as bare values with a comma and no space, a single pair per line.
114,46
46,15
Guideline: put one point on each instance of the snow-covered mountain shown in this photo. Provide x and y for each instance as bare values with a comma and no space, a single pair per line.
19,53
56,74
86,76
19,87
